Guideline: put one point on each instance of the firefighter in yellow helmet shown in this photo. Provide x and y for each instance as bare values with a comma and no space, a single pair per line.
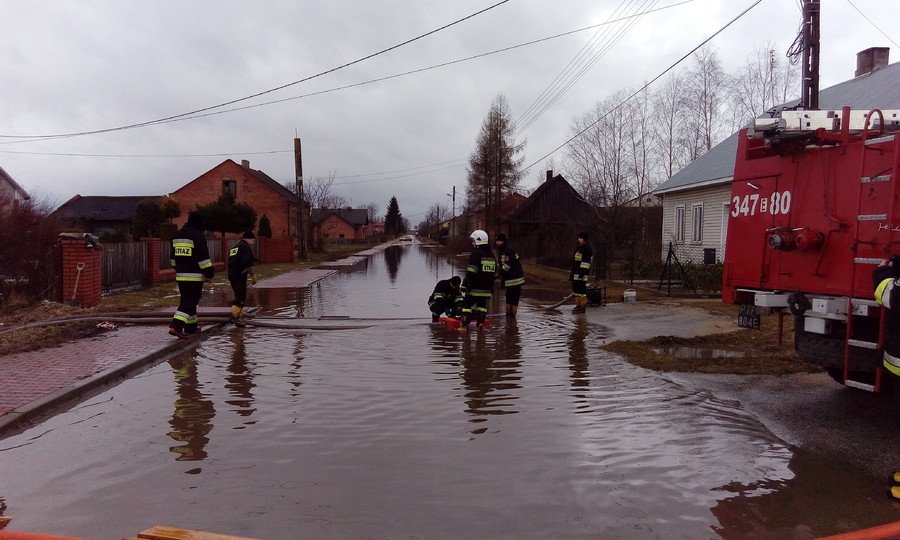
887,293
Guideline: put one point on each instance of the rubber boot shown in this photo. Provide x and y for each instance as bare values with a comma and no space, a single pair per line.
234,318
512,311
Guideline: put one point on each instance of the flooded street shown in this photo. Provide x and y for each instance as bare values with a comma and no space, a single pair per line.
402,429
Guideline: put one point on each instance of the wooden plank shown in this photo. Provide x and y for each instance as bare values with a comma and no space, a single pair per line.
163,532
4,521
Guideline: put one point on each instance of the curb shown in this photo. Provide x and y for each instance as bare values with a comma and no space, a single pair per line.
63,395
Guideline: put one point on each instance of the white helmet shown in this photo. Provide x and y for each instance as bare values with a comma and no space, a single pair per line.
480,237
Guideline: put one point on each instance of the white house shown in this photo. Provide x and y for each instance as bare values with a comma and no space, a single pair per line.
11,193
696,199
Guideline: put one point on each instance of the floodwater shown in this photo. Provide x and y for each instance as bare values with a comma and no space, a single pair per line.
402,429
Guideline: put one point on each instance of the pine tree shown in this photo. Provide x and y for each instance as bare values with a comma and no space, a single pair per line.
493,172
393,220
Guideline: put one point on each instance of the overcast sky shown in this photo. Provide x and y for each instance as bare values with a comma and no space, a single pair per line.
71,67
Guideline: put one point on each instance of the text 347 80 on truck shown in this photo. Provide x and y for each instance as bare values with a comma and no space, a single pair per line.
813,211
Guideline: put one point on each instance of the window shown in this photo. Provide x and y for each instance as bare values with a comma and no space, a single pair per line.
697,222
679,224
230,187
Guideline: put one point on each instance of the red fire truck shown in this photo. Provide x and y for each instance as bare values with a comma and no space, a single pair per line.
814,208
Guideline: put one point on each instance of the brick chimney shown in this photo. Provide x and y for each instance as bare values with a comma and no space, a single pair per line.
871,59
245,164
549,175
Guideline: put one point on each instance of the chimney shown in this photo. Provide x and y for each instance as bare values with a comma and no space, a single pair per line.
549,175
871,59
245,164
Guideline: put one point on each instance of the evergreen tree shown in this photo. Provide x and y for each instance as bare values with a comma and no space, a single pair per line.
393,220
265,227
154,219
226,216
493,172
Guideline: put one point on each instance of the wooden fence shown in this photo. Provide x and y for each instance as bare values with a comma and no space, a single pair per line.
124,266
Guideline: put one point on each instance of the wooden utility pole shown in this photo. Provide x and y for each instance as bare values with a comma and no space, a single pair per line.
809,95
304,223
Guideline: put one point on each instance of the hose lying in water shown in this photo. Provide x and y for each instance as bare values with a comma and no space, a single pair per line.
561,302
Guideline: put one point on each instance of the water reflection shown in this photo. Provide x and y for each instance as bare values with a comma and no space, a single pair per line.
488,376
193,412
392,256
239,381
769,507
578,360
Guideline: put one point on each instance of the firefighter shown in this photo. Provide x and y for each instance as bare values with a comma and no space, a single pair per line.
190,257
887,293
479,281
581,268
511,274
240,267
445,299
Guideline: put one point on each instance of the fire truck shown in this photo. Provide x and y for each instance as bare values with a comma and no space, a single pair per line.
813,210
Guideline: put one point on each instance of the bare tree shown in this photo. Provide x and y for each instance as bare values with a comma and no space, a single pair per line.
706,84
670,107
319,192
763,82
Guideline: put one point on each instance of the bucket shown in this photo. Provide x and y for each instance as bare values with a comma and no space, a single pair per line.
630,295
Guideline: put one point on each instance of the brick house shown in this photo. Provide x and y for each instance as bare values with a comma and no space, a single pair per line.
11,193
250,186
342,224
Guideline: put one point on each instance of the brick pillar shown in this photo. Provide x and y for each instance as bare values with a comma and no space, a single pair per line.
151,245
85,285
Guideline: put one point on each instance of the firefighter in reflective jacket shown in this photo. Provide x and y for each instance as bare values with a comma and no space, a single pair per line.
887,293
190,257
511,274
479,281
581,268
445,299
240,267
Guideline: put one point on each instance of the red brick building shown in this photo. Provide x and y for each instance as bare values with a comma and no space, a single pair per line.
250,186
343,224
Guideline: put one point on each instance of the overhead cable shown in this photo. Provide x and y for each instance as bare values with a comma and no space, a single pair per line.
646,85
264,92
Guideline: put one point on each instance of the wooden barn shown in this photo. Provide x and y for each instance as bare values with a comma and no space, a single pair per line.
545,226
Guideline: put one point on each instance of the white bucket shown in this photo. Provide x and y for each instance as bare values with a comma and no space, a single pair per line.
630,295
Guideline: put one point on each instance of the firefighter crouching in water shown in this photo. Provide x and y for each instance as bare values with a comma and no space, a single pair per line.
240,266
581,268
190,257
479,282
445,299
887,293
511,274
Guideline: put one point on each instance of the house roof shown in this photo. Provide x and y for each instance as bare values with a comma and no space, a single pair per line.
107,208
353,216
877,89
272,183
541,190
16,187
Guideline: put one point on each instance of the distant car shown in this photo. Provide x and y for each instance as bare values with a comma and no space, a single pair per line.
406,238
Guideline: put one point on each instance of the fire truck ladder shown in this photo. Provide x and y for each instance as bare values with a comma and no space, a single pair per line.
857,306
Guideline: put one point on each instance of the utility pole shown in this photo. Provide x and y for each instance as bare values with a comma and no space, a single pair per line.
304,226
452,216
809,95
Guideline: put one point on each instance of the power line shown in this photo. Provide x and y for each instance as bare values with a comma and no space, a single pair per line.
646,85
582,66
264,92
388,77
872,23
75,154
